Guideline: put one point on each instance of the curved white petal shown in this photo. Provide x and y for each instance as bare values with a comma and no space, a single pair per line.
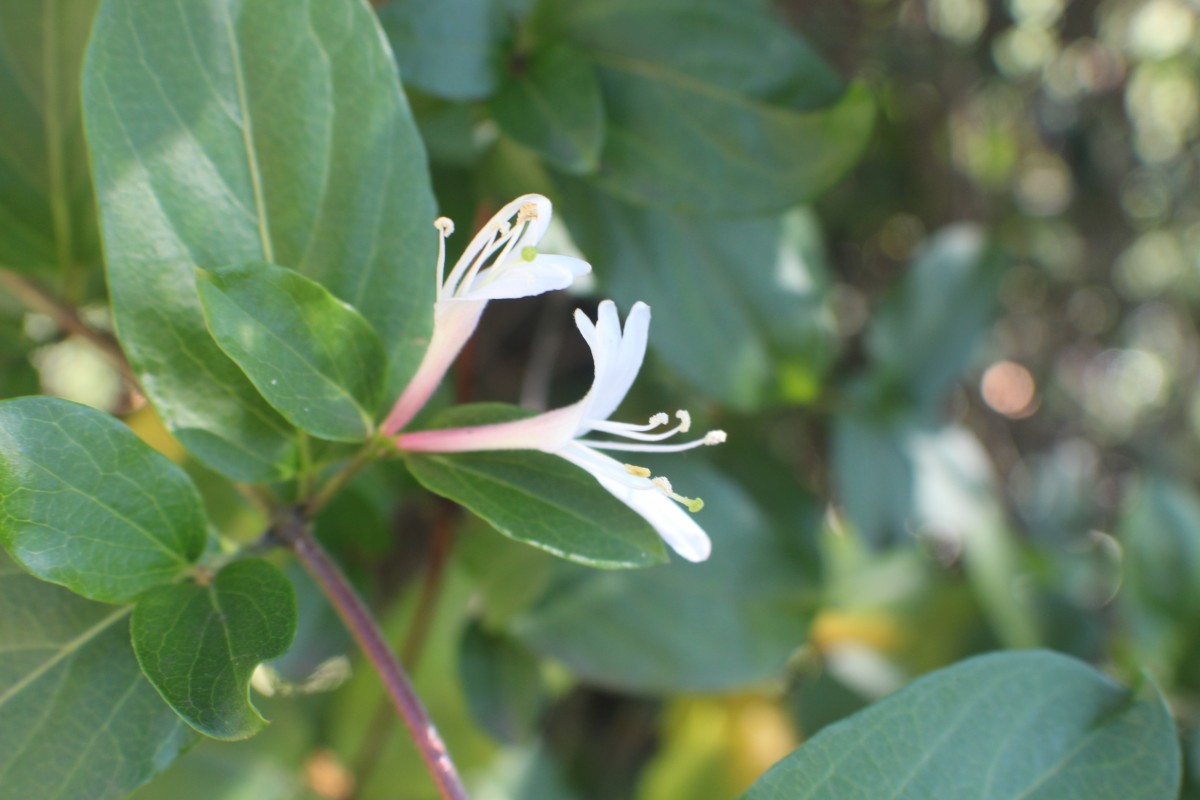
545,273
618,356
587,329
533,233
674,525
601,465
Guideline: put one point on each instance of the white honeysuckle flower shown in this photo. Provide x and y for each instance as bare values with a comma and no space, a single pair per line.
618,357
500,263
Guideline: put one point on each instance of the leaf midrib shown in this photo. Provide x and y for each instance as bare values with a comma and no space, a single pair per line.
247,129
65,651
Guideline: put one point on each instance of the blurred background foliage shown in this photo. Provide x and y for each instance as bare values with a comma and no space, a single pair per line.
932,263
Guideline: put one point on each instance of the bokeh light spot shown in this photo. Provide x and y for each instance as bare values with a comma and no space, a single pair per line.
1009,389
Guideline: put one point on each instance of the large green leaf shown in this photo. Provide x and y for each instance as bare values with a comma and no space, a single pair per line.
743,48
224,132
47,219
925,333
451,48
727,622
553,106
738,305
77,718
86,503
314,358
714,107
199,644
1030,725
537,498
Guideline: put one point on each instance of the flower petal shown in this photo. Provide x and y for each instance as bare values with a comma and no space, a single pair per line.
505,216
549,431
618,357
546,273
673,524
453,324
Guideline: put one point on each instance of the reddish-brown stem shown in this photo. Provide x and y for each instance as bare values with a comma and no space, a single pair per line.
414,640
295,534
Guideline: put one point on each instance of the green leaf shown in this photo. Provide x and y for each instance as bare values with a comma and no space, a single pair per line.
537,498
1160,529
553,107
738,305
451,48
743,48
901,479
226,132
47,217
727,622
77,718
714,107
199,644
503,684
268,767
926,332
1033,725
314,358
85,503
901,476
674,142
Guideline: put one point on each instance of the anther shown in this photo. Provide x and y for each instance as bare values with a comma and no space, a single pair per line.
685,420
715,437
528,211
660,418
692,504
445,225
636,471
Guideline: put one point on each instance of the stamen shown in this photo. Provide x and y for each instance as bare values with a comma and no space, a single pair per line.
626,428
636,471
692,504
445,227
503,238
710,438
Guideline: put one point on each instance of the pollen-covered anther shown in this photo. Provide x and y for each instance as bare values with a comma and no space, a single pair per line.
658,419
685,420
636,471
528,211
692,504
445,225
715,437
